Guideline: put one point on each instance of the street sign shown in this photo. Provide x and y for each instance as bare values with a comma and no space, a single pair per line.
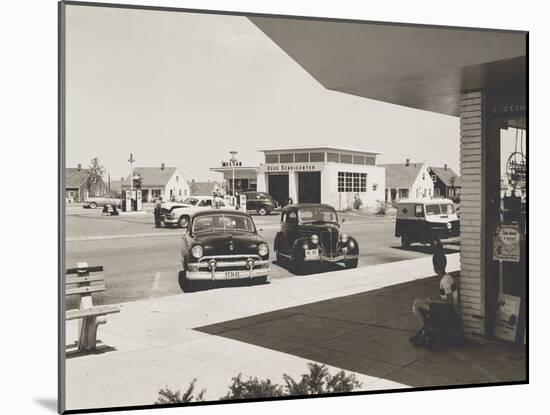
506,242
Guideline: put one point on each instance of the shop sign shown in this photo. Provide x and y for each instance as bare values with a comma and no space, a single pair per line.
506,324
292,167
506,242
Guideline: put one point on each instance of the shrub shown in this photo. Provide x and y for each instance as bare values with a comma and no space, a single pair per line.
357,202
318,380
167,396
381,208
252,388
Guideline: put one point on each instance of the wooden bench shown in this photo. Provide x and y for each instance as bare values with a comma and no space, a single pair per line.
80,282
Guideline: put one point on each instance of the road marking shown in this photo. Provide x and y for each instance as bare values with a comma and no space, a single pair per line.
155,283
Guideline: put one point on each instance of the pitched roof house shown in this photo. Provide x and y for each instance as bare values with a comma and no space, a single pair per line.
446,181
166,182
81,184
205,188
407,180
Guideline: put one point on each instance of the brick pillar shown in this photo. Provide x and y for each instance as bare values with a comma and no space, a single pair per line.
472,215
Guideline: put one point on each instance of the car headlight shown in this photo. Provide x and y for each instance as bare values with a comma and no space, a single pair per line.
343,238
449,225
197,251
263,249
315,239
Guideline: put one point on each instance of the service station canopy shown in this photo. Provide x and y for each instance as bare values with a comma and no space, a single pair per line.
421,67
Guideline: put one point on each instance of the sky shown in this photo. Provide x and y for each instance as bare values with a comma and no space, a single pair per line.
185,89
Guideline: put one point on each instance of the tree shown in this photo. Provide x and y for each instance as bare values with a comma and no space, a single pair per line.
96,169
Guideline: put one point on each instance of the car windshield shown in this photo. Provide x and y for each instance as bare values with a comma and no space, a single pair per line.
443,209
190,201
433,210
447,209
223,223
317,214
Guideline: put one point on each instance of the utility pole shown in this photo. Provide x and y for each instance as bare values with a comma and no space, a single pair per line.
233,161
131,161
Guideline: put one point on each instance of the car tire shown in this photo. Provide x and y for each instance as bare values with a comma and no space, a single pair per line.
93,205
351,263
183,222
186,285
405,242
262,211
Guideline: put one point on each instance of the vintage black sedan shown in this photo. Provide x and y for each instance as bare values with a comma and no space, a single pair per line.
222,244
310,234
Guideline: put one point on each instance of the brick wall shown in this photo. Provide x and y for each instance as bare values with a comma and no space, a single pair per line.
472,222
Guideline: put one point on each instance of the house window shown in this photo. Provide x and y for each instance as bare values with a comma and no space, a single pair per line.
177,178
423,176
71,193
97,192
434,178
179,194
103,192
374,187
352,182
403,193
185,192
437,192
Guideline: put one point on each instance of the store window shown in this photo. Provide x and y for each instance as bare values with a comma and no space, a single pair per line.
271,158
316,157
335,157
358,159
346,158
352,182
506,214
370,161
286,158
301,157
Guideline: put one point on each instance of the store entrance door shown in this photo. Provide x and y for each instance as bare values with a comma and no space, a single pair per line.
278,188
309,187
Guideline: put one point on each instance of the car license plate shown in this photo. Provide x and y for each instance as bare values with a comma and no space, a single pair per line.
232,274
312,252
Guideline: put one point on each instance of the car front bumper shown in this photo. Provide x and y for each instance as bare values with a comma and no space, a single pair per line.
228,267
324,258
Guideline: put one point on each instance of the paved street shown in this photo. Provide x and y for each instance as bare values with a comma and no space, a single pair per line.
142,262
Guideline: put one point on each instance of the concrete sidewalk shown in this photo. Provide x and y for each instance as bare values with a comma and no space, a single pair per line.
358,320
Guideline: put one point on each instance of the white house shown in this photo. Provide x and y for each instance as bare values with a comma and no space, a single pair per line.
166,182
408,180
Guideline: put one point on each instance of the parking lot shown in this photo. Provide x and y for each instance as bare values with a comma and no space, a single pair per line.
141,261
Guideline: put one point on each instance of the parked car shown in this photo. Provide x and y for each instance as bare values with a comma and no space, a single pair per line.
425,221
222,245
179,213
95,202
260,202
310,234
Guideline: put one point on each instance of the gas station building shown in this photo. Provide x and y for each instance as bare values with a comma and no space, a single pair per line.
476,75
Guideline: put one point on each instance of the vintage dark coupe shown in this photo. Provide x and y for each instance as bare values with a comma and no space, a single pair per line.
222,244
310,234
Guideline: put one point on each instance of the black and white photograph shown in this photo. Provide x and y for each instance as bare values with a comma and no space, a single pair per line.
264,207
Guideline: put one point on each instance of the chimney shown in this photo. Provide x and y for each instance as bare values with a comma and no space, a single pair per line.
162,166
79,167
407,162
445,166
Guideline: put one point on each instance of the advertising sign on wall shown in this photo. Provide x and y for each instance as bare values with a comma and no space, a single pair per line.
506,323
506,242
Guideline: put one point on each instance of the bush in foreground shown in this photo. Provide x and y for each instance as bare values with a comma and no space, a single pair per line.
318,380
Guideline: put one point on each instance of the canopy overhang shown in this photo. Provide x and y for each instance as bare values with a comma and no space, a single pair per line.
415,66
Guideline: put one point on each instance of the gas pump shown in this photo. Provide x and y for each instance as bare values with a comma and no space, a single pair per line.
139,202
127,201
